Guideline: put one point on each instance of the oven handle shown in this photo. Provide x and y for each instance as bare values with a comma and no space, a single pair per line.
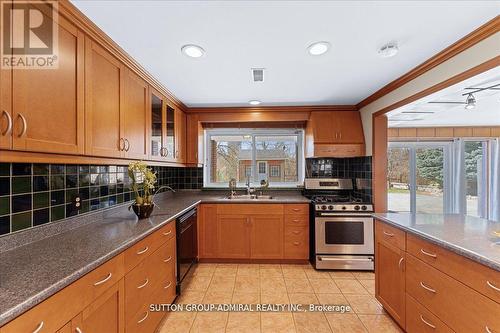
344,259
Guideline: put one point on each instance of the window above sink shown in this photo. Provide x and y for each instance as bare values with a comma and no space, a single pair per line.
273,155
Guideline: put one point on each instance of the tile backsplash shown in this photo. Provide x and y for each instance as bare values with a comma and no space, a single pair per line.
351,167
35,194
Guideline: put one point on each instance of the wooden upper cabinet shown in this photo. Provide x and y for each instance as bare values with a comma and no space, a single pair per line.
192,144
323,127
266,237
48,104
170,133
135,113
180,136
103,121
157,129
5,108
233,236
348,127
105,314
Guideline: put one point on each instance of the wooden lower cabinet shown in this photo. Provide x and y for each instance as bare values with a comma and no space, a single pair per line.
390,278
207,231
253,231
233,239
266,237
105,314
109,299
426,288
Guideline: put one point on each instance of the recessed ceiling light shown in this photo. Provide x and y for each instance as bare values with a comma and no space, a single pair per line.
318,48
254,102
193,51
388,50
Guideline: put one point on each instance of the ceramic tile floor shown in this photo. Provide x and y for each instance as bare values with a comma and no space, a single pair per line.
280,284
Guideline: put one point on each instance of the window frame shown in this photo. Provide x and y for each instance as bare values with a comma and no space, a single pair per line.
448,177
299,133
278,167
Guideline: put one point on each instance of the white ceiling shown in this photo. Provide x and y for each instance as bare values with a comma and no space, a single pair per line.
486,112
240,35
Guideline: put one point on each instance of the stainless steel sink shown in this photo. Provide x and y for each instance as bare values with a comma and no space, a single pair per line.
249,197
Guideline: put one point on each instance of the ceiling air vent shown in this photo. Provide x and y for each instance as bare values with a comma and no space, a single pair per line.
258,74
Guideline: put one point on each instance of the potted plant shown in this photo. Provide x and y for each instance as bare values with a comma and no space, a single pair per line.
143,184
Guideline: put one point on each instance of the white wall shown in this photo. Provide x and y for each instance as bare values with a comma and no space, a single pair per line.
472,57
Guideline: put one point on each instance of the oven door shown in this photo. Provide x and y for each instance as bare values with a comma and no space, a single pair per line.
344,235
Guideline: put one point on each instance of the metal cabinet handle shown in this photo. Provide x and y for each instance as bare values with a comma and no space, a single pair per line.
104,280
144,318
167,233
388,234
432,255
491,285
168,285
426,322
296,209
143,285
488,329
38,328
340,135
127,145
25,125
121,144
168,259
296,232
427,288
78,330
400,262
143,250
9,122
296,243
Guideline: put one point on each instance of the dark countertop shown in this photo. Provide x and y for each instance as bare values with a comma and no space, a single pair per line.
468,236
33,272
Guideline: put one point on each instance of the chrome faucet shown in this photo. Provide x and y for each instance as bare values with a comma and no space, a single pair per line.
232,187
249,189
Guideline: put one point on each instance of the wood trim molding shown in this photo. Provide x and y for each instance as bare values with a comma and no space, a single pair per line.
408,133
10,156
302,108
379,161
492,63
481,33
68,10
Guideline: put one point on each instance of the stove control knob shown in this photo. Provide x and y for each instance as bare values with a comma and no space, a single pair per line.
356,207
363,207
330,207
323,207
344,207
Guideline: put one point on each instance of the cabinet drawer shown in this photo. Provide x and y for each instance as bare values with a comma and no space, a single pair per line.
296,233
476,276
458,306
421,320
389,234
148,278
296,209
145,320
60,308
296,244
297,220
138,252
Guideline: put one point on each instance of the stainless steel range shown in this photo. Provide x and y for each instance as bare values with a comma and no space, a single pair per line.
343,225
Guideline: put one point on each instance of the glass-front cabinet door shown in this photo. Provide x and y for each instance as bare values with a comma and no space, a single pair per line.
158,129
170,135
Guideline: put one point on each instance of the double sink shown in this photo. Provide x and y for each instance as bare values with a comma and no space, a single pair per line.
249,197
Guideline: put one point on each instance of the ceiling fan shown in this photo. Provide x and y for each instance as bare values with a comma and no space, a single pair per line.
470,100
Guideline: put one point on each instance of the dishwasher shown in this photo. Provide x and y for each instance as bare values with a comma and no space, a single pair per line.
187,245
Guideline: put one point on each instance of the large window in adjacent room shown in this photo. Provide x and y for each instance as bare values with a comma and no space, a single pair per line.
255,155
439,177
